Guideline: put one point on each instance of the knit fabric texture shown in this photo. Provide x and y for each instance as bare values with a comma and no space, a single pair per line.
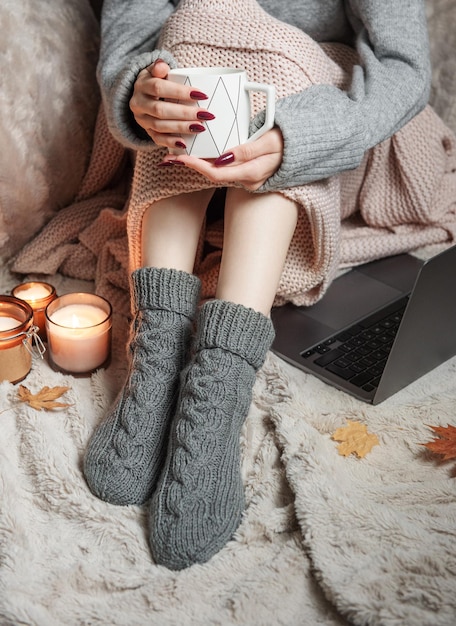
125,454
399,184
199,501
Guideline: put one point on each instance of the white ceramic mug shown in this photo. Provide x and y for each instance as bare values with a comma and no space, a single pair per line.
228,99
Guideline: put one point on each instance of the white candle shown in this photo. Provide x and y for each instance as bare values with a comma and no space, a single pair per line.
38,295
32,291
78,316
16,318
8,323
79,334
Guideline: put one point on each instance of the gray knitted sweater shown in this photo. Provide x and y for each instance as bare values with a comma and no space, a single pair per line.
325,130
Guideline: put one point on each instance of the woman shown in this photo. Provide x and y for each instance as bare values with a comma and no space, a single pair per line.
173,433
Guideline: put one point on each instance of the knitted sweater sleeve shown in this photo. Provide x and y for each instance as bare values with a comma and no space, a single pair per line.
129,32
326,130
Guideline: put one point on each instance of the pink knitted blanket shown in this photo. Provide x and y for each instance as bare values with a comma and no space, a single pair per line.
403,195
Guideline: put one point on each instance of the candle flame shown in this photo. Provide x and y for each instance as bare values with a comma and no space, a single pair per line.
75,321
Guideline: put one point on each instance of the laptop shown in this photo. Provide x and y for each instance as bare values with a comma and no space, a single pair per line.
379,327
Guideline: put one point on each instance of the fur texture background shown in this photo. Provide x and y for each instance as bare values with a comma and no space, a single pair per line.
325,540
48,103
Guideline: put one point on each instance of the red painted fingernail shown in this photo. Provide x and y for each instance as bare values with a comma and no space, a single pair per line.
224,159
197,128
180,144
198,95
205,115
168,163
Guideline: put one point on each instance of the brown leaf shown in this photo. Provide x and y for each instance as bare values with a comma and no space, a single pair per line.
445,443
355,439
45,399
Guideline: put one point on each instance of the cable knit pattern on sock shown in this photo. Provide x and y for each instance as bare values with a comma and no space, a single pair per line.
200,498
126,452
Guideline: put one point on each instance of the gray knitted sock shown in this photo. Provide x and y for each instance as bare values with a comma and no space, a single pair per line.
125,454
200,496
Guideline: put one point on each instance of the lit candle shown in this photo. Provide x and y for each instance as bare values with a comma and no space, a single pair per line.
8,323
16,332
78,316
79,332
31,291
38,295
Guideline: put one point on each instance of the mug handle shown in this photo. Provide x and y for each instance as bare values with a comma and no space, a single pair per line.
269,90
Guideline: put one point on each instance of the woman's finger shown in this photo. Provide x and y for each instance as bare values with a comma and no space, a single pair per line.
269,143
250,174
158,87
169,112
158,69
168,141
249,165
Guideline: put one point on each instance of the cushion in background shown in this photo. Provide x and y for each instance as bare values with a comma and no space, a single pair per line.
48,104
442,31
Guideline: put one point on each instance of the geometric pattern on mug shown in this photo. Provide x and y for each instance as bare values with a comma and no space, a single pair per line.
220,137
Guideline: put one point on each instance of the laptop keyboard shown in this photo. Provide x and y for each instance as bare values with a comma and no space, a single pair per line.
359,353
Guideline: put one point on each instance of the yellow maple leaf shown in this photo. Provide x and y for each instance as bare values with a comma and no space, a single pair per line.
45,399
355,439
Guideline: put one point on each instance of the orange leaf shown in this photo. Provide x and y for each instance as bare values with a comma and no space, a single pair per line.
445,443
355,439
45,399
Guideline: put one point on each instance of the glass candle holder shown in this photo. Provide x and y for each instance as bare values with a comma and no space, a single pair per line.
79,328
16,336
38,295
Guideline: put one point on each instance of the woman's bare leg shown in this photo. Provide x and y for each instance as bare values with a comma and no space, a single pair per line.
258,232
171,228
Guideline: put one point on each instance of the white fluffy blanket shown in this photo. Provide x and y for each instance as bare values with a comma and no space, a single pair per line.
325,540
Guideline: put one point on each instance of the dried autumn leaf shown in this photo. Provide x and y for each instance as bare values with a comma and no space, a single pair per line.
45,399
445,443
355,439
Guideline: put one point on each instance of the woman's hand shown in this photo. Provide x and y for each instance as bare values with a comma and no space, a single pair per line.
155,107
248,165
